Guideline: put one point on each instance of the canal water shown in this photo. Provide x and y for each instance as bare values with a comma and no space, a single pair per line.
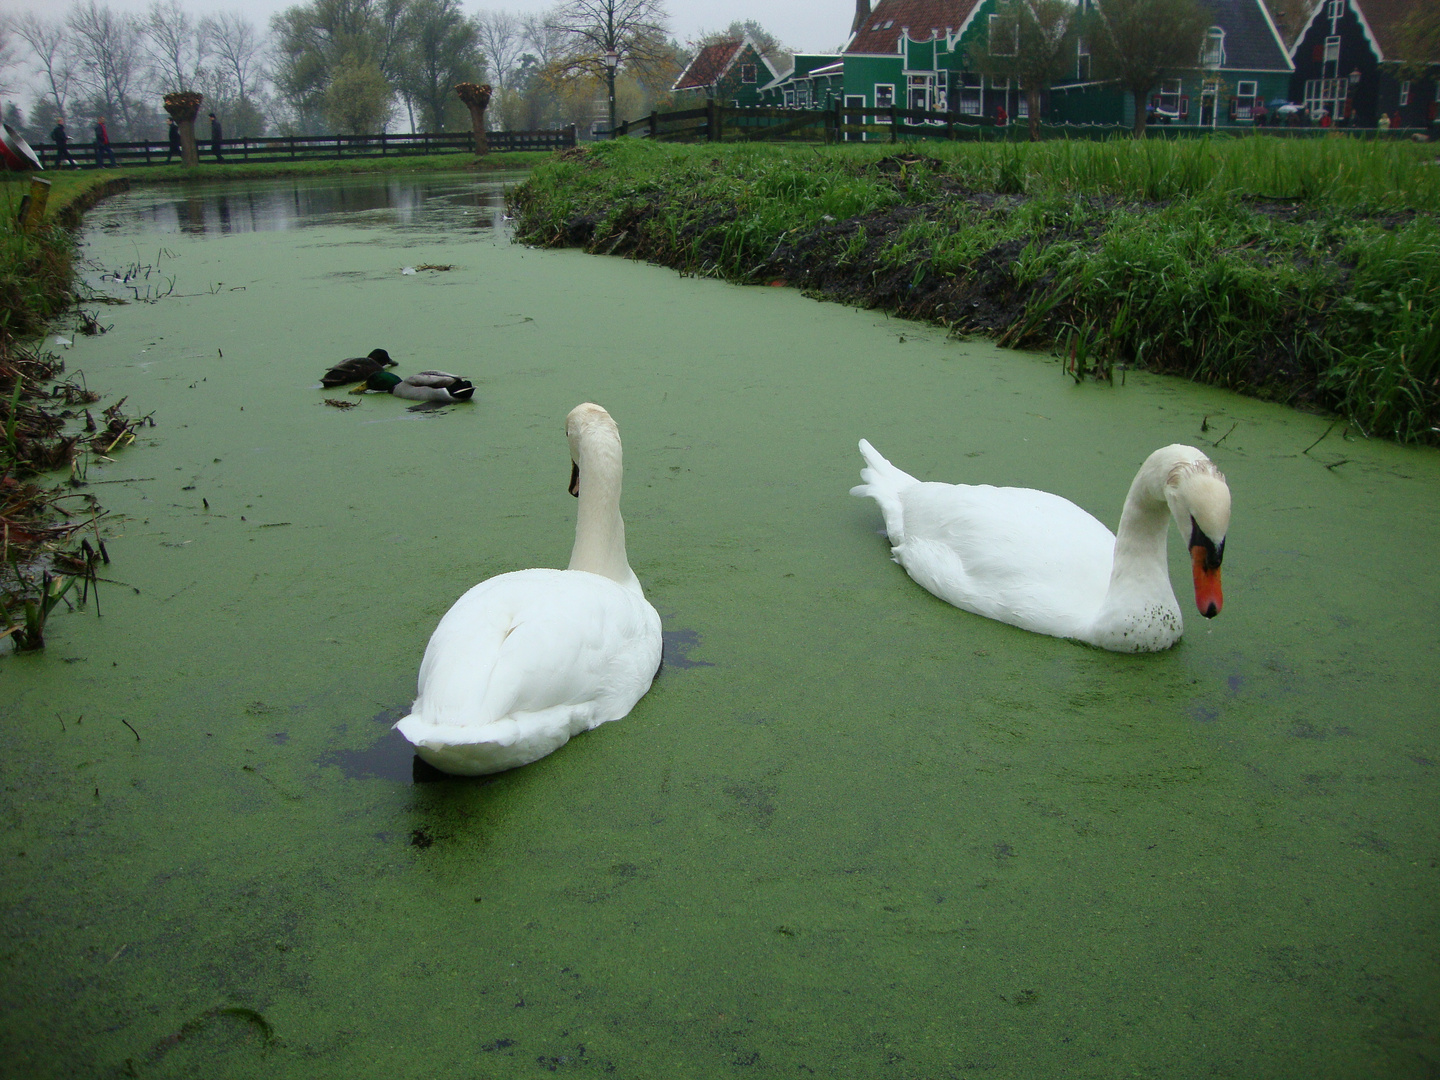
850,832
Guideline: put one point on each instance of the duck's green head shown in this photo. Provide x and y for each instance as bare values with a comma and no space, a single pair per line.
383,381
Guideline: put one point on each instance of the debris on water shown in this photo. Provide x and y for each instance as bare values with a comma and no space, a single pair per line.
63,341
408,270
336,403
436,266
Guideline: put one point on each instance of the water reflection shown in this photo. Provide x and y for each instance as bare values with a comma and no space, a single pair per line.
429,201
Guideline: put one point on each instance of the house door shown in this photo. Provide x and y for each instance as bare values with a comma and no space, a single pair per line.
1208,97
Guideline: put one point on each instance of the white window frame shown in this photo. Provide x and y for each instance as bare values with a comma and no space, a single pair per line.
1165,92
1332,50
972,95
749,74
1337,9
885,91
1405,93
1014,45
1245,92
1212,52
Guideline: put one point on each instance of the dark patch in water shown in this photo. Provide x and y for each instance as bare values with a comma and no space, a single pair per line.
1204,714
388,758
279,738
675,649
421,838
1304,730
1236,681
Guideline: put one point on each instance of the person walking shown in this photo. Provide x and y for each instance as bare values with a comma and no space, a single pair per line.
102,145
61,138
215,136
174,147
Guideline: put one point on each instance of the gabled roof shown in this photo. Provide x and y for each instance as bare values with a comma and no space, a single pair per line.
923,18
1252,42
708,66
1380,21
712,62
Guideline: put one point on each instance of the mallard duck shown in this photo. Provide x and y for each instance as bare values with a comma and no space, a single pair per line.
525,660
356,368
1039,562
422,386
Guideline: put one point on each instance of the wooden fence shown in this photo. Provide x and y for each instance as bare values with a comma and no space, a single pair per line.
320,147
715,122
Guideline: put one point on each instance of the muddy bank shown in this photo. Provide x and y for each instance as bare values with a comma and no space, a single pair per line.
1308,301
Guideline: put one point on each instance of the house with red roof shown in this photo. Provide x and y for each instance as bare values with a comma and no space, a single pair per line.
1350,61
732,72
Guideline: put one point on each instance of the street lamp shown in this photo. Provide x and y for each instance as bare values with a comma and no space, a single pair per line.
612,61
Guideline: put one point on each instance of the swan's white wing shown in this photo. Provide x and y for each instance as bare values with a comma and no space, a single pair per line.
523,661
1025,557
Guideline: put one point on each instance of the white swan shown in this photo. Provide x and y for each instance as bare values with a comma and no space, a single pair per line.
525,660
1039,562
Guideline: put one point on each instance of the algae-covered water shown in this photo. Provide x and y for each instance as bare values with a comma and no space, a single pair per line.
850,832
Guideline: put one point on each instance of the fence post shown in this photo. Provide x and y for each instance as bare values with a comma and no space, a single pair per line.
654,123
712,120
893,136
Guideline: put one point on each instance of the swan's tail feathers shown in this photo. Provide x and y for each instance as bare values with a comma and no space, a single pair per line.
883,482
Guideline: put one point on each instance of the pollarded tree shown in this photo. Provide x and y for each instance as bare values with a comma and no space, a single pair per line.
1032,42
1135,42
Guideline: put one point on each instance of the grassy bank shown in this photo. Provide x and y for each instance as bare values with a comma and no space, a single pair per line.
1307,272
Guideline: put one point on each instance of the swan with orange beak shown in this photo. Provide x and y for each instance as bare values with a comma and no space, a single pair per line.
1039,562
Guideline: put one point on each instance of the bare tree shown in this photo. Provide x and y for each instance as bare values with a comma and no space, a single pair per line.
175,45
107,58
7,55
49,47
238,49
1134,42
601,36
502,41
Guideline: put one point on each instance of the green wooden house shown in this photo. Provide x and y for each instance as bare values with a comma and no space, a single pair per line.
732,72
1241,62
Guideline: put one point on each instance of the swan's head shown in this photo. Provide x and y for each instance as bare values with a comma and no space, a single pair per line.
582,426
1199,501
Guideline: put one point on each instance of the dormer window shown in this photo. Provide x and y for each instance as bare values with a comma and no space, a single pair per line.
1213,54
747,73
1001,43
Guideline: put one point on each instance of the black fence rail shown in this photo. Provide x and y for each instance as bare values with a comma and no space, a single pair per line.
320,147
715,122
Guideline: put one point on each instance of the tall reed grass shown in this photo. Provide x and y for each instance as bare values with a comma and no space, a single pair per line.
1302,270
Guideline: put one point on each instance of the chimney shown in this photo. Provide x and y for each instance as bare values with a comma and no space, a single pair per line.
862,12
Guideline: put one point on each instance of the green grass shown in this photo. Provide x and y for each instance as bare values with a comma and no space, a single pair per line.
1307,271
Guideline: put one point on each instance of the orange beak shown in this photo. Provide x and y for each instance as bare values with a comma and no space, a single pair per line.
1208,597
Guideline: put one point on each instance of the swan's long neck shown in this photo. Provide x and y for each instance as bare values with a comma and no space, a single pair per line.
599,529
1144,525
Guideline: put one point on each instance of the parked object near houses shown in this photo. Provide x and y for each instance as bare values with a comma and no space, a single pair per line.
525,660
1039,562
15,152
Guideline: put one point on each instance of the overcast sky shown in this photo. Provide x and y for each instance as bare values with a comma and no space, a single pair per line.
803,25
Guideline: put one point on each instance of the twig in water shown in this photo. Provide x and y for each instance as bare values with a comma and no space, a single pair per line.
1318,441
137,739
1222,438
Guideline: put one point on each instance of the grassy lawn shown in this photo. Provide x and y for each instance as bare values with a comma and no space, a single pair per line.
1305,271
